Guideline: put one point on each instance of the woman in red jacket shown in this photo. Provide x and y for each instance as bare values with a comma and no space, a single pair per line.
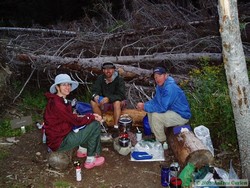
59,121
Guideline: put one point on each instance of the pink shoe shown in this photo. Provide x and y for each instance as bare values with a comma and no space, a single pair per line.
97,162
81,154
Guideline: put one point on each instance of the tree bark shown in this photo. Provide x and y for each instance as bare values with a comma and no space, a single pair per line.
35,30
237,77
188,148
94,64
136,115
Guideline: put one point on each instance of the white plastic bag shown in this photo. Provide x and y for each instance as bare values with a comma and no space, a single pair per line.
232,173
153,148
203,134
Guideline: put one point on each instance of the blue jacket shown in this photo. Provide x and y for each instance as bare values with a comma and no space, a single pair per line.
169,97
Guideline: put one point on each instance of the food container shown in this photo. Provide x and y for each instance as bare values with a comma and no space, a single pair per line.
174,169
175,182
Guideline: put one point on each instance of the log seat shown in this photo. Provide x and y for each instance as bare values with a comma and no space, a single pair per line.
136,115
187,148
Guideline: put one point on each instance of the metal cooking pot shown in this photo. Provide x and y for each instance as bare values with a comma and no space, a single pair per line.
125,123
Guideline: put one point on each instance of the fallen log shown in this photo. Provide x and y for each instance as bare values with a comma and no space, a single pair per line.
136,115
123,63
187,148
78,63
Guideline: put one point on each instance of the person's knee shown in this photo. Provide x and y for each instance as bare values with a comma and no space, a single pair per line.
117,105
93,104
95,107
94,125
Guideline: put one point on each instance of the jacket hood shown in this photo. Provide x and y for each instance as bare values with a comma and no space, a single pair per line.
169,80
49,95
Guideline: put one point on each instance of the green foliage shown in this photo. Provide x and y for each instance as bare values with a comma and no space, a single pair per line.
84,97
243,25
7,131
32,103
210,104
34,99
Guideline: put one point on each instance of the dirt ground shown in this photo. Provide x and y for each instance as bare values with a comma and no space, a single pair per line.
27,166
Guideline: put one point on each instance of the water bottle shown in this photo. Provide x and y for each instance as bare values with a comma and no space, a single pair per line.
44,135
78,171
138,135
165,176
146,126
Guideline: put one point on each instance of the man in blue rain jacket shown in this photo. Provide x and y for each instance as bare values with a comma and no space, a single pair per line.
169,107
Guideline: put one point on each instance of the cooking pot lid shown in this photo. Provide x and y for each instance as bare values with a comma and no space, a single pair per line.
125,120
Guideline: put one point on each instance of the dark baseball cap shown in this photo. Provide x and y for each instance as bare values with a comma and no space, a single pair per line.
159,70
108,65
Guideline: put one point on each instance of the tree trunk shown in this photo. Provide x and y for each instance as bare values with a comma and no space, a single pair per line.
187,148
237,77
136,115
94,64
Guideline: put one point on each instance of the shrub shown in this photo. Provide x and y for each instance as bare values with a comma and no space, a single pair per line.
210,104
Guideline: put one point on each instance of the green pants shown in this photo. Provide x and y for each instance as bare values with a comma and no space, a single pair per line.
89,136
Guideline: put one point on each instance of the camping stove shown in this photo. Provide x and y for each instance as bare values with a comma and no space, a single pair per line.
125,123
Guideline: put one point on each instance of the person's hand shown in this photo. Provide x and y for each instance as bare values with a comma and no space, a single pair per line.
96,98
104,100
98,117
140,106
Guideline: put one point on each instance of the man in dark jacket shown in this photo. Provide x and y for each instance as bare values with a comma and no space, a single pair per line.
108,92
169,107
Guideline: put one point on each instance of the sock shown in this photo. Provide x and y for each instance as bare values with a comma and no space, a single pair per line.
90,159
82,149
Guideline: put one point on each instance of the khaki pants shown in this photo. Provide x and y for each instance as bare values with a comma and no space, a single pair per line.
158,122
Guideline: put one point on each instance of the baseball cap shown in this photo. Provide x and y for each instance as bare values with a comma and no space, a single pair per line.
108,65
160,70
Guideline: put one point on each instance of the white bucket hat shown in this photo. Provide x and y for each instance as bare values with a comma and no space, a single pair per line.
63,78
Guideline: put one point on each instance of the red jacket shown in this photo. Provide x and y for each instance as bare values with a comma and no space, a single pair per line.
59,119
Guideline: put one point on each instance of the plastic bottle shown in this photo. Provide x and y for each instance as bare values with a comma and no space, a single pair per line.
165,176
44,135
78,171
138,135
23,129
186,175
146,126
165,145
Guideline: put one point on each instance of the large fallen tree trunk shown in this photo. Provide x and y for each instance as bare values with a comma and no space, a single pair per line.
187,148
94,64
136,115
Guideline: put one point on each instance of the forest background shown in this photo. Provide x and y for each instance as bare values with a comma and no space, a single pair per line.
121,28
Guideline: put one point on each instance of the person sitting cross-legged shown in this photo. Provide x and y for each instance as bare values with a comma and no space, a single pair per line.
108,92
